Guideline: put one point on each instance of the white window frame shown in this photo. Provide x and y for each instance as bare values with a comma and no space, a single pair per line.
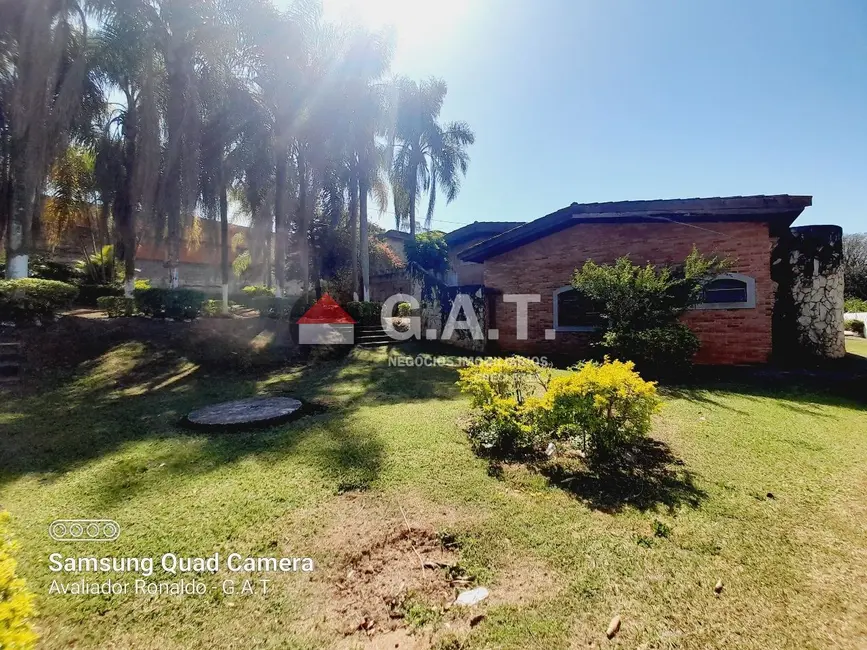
750,302
567,328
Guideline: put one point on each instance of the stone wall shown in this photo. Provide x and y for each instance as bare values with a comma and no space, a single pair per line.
808,316
815,258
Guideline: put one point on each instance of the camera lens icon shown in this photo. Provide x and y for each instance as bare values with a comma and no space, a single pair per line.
84,530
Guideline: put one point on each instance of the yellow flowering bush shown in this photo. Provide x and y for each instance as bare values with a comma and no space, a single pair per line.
510,377
16,602
500,389
519,407
602,405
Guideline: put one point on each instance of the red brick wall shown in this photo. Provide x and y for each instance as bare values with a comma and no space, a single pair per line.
727,336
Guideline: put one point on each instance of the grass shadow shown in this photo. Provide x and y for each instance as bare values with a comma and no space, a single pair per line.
645,476
125,387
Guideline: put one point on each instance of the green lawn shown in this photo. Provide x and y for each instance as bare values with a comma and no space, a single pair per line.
856,346
767,493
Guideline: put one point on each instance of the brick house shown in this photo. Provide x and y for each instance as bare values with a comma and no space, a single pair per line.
462,272
734,326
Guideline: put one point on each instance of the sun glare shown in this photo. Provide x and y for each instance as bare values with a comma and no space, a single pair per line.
417,23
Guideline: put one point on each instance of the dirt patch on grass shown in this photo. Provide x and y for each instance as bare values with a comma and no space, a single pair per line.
393,571
379,583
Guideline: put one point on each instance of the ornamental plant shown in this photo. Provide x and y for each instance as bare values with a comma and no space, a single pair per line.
16,601
641,306
28,299
602,406
502,392
519,407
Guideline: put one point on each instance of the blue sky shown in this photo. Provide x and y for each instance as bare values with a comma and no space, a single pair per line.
626,99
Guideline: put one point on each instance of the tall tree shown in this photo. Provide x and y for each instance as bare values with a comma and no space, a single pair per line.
428,157
276,74
228,112
44,67
855,265
129,151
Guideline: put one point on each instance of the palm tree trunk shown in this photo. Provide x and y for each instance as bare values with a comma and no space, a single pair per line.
102,224
18,234
353,232
303,224
269,260
280,231
364,243
174,122
124,209
412,192
224,237
5,177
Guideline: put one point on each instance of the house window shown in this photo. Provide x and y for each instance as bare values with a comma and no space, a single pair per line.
575,312
729,291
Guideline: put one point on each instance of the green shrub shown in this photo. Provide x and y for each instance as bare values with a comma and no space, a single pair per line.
660,351
117,306
500,389
89,294
855,306
214,309
508,378
430,251
502,428
42,268
101,267
178,304
16,601
856,326
519,407
257,291
640,307
404,310
289,309
142,283
365,313
29,298
602,406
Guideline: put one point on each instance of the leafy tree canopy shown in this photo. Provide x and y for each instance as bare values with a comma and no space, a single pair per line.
430,251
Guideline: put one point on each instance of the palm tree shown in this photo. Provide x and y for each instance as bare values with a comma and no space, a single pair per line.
228,111
129,157
364,58
428,157
43,66
276,61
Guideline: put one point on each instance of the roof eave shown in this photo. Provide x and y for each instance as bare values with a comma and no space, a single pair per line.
778,211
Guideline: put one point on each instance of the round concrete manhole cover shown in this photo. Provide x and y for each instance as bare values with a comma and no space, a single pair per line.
254,411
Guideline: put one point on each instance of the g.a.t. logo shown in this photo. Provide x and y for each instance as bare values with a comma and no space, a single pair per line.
84,530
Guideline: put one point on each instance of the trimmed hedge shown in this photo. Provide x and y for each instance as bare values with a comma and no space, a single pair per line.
179,304
89,294
365,313
856,326
117,306
28,298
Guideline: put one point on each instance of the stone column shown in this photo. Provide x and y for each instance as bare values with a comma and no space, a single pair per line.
816,262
